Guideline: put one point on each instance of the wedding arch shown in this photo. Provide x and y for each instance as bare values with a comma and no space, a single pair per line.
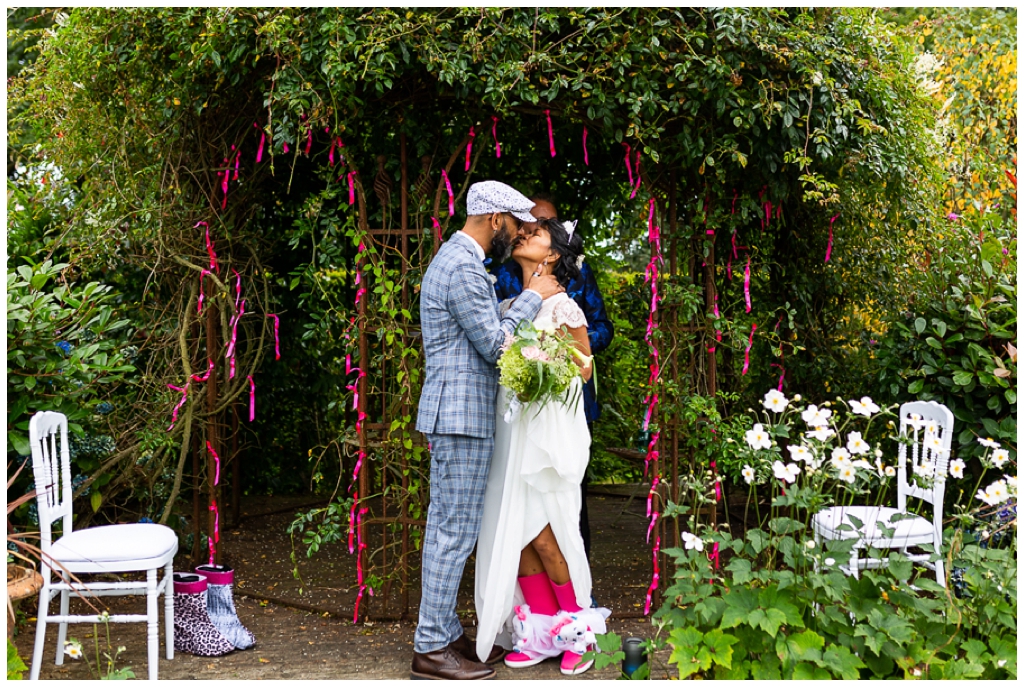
739,147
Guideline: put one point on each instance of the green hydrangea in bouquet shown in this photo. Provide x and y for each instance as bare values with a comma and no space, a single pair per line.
538,365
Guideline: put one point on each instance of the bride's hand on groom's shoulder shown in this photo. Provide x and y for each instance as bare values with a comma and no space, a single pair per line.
546,285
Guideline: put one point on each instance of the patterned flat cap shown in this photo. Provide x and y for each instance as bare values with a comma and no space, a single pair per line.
486,197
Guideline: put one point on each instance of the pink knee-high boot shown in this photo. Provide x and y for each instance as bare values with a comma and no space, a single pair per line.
571,662
541,599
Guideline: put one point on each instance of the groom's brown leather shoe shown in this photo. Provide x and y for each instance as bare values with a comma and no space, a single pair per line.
448,664
465,646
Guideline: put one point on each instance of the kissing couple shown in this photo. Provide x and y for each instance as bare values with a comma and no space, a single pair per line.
508,485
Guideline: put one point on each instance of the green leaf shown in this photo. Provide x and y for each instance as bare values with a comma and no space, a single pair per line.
920,324
95,500
963,377
809,671
15,666
806,646
19,442
687,652
915,386
720,646
842,662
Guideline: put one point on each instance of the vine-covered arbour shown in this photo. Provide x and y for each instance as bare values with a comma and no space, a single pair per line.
751,128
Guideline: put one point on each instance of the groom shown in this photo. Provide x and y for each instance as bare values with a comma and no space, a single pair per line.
462,338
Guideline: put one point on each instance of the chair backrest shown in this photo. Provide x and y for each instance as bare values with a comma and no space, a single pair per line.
919,420
51,466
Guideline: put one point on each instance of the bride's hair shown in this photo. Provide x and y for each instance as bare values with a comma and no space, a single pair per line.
570,248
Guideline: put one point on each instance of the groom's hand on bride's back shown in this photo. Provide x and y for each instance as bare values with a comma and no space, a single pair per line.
546,285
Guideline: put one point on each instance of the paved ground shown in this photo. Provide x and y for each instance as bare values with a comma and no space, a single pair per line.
301,644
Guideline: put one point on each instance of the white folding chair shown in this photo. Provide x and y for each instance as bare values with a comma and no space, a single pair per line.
108,549
908,530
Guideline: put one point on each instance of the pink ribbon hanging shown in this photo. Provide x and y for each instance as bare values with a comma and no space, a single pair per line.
781,376
714,555
205,377
451,196
746,283
356,470
469,146
252,398
309,139
636,171
437,228
330,154
263,141
551,133
216,463
655,577
360,545
352,524
735,197
828,250
209,246
277,340
351,187
652,453
285,147
746,353
653,230
494,133
234,339
586,158
653,516
184,397
238,157
202,293
224,184
216,529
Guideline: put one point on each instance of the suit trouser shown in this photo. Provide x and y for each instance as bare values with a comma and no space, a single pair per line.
458,479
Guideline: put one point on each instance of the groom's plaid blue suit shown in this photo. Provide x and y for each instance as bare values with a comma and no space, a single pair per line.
462,337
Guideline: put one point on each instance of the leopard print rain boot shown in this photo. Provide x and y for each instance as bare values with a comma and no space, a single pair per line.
193,631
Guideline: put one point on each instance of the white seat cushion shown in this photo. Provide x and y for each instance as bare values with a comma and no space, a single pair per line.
113,544
908,531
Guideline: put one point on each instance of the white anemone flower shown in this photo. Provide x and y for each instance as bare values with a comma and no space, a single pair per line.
73,649
748,474
848,474
925,468
810,543
863,464
999,457
1011,484
890,471
988,443
692,541
932,442
815,417
800,453
757,438
821,433
956,469
840,458
787,472
775,401
856,444
864,406
995,493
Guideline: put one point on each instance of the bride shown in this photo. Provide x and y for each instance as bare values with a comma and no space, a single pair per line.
530,564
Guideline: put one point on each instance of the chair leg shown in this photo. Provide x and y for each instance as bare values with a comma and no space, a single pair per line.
62,628
854,564
169,609
37,649
153,623
940,572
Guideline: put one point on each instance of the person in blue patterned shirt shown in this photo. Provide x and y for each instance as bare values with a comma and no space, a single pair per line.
509,284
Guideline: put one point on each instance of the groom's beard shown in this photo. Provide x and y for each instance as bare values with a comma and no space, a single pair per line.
501,245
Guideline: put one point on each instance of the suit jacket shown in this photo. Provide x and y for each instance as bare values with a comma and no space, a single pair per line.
462,337
584,291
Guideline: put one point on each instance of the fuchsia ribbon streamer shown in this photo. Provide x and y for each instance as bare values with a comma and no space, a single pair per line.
653,516
551,133
437,228
252,398
230,355
451,196
782,376
205,377
238,157
746,353
285,146
216,462
263,140
746,283
202,293
351,188
469,146
224,184
828,250
330,154
209,246
586,158
184,397
654,579
277,340
636,169
494,132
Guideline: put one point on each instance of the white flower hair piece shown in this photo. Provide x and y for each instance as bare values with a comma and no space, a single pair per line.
579,261
570,226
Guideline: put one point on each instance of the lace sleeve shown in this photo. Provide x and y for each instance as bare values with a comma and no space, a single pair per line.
504,306
569,314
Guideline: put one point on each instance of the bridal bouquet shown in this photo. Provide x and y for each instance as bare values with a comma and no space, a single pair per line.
538,364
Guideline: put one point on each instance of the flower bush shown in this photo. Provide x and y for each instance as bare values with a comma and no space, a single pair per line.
774,604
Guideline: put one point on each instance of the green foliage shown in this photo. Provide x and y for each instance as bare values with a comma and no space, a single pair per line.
954,343
16,667
64,345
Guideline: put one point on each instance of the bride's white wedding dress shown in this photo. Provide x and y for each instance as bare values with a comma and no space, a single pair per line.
534,480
